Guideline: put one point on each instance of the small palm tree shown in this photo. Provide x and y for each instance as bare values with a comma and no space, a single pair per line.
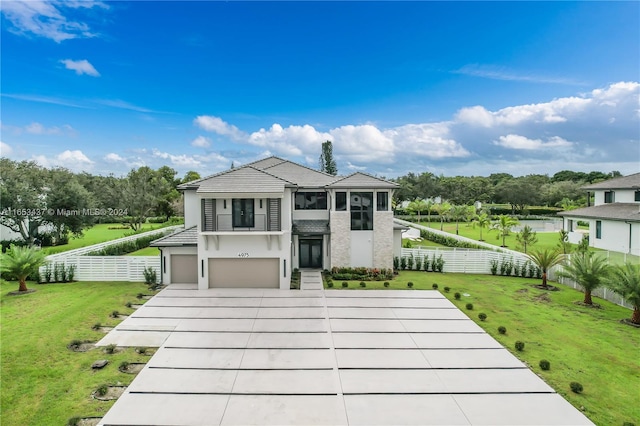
563,243
430,204
482,221
588,271
526,237
459,213
503,225
417,206
625,280
21,262
443,210
545,260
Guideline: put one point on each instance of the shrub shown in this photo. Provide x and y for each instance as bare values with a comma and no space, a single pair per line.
425,264
47,275
330,284
386,283
502,330
457,296
128,304
127,246
396,263
494,267
115,314
139,295
124,366
96,326
446,289
410,284
110,348
544,364
141,350
71,272
410,262
519,346
403,263
438,265
345,284
482,316
73,421
75,344
576,387
469,306
434,286
150,275
102,390
363,284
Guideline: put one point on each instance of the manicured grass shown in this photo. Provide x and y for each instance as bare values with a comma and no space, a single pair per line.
583,344
99,234
149,251
43,382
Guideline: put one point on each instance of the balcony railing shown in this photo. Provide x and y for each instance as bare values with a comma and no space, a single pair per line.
224,223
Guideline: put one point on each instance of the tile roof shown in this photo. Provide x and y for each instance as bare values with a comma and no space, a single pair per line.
186,237
310,227
615,211
243,180
361,180
624,182
301,175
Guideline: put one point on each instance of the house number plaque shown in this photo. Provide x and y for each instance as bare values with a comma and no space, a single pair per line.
243,254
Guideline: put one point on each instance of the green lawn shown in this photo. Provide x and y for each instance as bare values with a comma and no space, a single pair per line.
149,251
99,234
44,383
583,344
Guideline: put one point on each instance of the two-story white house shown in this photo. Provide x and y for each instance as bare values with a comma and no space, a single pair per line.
250,226
614,219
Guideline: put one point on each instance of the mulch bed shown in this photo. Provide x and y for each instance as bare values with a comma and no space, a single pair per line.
133,368
113,392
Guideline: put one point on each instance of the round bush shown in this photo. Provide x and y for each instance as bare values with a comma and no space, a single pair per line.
544,364
446,289
141,350
469,306
363,284
128,304
519,346
410,284
502,330
102,390
434,286
124,366
345,284
386,283
482,316
115,314
576,387
330,284
457,296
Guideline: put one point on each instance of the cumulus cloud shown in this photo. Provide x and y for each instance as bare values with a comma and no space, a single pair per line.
178,160
219,126
47,18
201,142
521,142
5,149
113,158
81,66
292,140
74,160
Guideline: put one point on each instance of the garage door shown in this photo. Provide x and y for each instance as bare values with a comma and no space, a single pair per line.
184,268
244,273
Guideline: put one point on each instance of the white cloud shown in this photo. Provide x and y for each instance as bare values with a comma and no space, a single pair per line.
521,142
35,128
81,66
113,158
5,149
217,125
178,160
46,19
201,142
431,140
74,160
291,141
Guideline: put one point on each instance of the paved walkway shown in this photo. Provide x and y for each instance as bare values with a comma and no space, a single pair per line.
336,357
311,280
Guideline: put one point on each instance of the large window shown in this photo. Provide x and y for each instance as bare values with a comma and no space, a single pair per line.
609,197
637,196
361,206
341,201
382,199
311,200
598,229
243,216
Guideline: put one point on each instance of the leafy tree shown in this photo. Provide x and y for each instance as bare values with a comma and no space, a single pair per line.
589,271
503,225
20,262
327,162
481,221
190,176
625,280
170,194
68,205
143,190
417,207
526,237
545,260
520,192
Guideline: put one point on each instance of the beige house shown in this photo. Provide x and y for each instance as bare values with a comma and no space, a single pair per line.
614,219
250,226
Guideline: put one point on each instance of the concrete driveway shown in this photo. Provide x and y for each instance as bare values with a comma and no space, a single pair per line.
357,357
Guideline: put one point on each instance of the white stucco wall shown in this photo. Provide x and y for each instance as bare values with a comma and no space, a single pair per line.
191,209
615,236
362,248
167,252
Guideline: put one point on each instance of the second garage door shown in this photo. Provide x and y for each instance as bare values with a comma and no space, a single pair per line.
184,268
244,273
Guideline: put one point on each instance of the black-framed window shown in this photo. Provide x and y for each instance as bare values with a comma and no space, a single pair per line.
382,201
637,196
243,213
311,200
341,201
361,206
598,229
609,197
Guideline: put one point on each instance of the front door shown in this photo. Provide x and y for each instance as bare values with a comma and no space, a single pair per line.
311,254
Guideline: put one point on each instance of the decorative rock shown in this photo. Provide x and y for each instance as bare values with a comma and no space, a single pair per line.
101,363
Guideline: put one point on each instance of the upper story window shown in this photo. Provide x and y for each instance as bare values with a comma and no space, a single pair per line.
637,196
341,201
609,196
598,229
361,206
382,201
243,212
311,200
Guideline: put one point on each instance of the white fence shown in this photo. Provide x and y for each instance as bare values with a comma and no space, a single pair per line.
108,268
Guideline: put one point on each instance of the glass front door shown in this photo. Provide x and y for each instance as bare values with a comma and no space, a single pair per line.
311,254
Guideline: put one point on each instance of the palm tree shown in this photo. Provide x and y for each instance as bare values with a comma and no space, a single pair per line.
443,210
526,237
588,271
459,213
430,204
417,206
482,221
20,262
503,225
625,280
545,260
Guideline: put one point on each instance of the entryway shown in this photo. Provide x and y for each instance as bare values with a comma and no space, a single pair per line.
311,253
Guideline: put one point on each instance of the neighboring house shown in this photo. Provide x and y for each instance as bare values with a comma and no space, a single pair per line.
614,219
250,226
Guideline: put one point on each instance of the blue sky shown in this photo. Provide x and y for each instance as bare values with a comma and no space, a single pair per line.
451,88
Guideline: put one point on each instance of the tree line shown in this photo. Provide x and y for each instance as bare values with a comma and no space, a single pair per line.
54,204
